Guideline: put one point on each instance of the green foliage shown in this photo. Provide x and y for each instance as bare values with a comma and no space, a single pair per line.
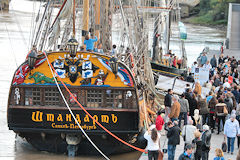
213,12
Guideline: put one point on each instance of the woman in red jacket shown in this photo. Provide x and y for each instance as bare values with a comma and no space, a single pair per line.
159,121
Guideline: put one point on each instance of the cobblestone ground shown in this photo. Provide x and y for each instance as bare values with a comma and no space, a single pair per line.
216,142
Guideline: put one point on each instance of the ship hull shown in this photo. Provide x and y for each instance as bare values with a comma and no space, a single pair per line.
167,71
56,143
48,133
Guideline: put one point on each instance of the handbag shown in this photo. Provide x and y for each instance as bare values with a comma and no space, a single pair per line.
164,150
224,145
184,137
160,155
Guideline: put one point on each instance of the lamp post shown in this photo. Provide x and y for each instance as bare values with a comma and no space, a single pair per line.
72,46
114,65
32,59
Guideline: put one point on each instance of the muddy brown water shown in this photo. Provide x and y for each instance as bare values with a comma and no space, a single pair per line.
15,28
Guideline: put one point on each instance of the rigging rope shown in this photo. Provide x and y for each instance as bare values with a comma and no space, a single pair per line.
113,135
72,112
32,24
144,47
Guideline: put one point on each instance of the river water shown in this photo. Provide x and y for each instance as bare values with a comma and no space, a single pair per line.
15,27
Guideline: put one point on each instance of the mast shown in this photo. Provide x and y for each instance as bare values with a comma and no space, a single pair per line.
182,45
85,19
97,18
106,25
74,32
168,27
155,39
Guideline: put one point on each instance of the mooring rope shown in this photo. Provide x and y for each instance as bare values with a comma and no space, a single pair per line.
64,99
113,135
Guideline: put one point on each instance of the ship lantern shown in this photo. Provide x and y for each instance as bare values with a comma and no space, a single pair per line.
72,46
114,65
32,58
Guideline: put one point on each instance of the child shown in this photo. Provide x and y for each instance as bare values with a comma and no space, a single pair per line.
219,154
197,142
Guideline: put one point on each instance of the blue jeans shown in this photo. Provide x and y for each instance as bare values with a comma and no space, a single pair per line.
230,143
174,119
184,115
171,152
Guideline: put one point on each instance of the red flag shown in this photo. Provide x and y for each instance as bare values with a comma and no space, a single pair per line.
230,79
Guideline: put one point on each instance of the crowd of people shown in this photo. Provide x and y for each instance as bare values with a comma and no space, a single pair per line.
218,112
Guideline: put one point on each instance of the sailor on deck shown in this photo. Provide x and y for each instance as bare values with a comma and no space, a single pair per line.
89,43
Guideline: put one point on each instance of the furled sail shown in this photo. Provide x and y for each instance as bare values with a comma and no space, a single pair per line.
66,11
55,32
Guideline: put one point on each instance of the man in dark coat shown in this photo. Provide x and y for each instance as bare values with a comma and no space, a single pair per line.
236,94
191,101
213,62
206,142
173,136
190,78
168,103
217,81
220,59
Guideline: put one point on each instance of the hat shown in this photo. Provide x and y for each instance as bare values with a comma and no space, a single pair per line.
152,127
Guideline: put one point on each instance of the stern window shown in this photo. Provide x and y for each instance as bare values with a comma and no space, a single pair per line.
32,97
51,96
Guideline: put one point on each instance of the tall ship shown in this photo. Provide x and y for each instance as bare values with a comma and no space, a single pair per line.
162,56
64,99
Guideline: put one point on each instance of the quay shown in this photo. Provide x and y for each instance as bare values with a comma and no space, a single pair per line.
216,142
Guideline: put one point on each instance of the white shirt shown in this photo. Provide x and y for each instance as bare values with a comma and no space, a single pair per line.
152,146
231,129
226,84
189,130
